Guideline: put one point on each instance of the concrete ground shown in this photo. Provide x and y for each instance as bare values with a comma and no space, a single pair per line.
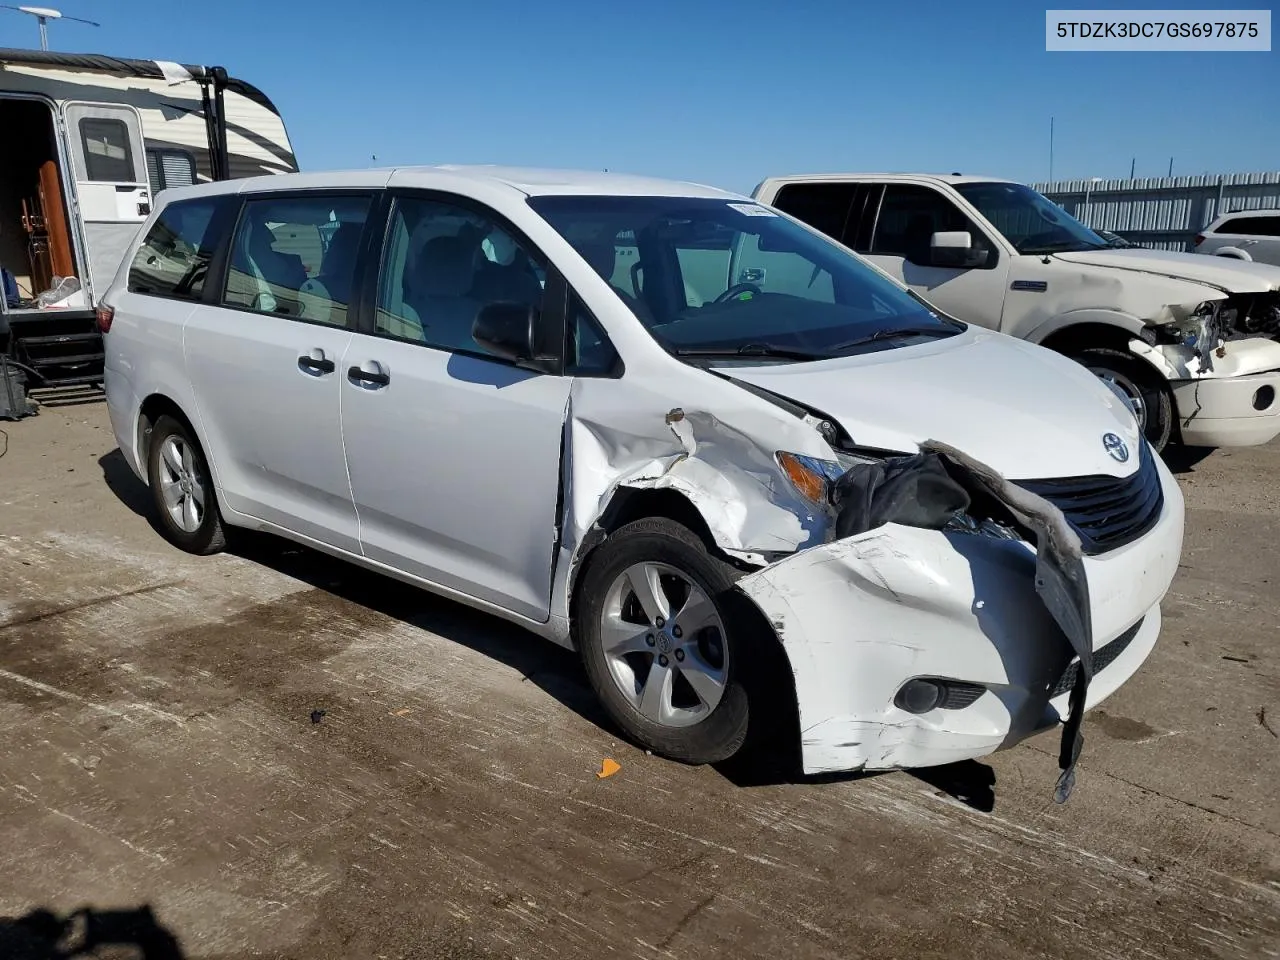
160,765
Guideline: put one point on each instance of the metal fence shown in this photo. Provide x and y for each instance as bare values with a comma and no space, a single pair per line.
1164,213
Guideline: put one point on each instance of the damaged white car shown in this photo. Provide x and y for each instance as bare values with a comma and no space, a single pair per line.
550,396
1192,343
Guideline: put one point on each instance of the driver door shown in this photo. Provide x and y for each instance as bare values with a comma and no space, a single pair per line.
909,216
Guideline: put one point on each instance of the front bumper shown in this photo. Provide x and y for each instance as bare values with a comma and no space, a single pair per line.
1237,412
859,617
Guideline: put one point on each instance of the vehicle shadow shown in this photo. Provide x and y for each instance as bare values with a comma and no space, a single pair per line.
129,490
554,669
1180,459
970,782
85,933
770,756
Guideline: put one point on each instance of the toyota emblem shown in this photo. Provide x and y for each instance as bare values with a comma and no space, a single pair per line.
1116,446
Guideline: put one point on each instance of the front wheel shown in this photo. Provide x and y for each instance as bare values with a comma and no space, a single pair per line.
1143,388
660,644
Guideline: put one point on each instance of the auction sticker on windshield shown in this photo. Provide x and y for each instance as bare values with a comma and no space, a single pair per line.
751,210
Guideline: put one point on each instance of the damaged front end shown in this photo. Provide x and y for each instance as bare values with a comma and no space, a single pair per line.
952,615
1202,334
931,610
1222,360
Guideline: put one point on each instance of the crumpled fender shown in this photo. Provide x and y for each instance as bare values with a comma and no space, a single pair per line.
1234,358
722,463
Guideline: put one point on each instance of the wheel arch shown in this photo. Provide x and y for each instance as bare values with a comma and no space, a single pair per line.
1081,336
1080,323
770,746
1233,253
153,407
628,504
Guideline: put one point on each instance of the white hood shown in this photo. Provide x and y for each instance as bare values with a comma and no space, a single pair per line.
1024,410
1224,273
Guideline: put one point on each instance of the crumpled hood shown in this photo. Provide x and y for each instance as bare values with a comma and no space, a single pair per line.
1224,273
1024,410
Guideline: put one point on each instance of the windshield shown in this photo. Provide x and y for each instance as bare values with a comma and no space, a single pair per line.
710,277
1030,221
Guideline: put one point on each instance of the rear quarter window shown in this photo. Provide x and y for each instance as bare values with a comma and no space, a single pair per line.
173,259
1266,226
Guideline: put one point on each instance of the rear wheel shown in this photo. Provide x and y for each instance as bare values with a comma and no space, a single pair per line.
661,644
182,490
1143,388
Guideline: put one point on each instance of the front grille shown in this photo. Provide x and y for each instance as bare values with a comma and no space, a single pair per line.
1102,658
1107,512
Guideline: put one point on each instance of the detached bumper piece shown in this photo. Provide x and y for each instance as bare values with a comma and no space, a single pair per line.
933,488
1103,657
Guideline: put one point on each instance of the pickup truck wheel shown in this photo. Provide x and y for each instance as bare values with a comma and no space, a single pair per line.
182,489
660,645
1145,390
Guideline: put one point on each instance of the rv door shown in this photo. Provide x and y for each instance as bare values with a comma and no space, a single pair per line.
112,193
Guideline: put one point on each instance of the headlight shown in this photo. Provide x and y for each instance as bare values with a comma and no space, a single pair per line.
1201,330
812,477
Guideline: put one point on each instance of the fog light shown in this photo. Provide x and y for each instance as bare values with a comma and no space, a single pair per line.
1265,396
919,696
927,693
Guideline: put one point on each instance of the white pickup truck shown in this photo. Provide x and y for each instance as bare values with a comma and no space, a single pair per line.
1189,340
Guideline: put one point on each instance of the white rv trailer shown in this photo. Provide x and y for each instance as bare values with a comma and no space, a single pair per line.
86,142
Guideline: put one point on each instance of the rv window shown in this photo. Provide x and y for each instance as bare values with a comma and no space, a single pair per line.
168,168
174,258
107,156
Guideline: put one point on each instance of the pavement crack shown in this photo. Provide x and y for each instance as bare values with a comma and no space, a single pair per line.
85,604
676,867
686,920
1165,796
1266,725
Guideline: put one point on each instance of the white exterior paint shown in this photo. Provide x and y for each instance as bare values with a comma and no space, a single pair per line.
1223,238
1127,289
453,472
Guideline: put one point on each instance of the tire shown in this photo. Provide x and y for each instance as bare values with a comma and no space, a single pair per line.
689,731
1135,378
186,507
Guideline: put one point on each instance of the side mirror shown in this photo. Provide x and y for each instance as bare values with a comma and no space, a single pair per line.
510,331
954,248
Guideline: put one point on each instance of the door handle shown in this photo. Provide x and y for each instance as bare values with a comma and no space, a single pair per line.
376,378
317,365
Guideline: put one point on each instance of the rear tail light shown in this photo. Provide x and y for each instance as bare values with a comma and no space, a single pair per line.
1199,239
105,316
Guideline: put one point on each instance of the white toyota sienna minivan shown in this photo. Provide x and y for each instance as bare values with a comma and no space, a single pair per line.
554,396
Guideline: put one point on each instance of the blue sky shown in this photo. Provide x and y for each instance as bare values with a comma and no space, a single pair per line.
724,93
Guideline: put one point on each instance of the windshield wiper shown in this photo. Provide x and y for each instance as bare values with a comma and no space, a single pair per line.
1063,246
751,350
892,333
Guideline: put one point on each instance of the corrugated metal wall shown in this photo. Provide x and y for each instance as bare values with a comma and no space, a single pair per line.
1163,212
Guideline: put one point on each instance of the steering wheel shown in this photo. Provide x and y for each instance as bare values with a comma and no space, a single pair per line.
737,290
